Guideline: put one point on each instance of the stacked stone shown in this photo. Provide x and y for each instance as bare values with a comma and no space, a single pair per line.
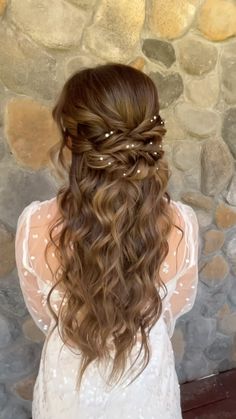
188,47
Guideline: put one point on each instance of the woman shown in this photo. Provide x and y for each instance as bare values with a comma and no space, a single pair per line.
108,265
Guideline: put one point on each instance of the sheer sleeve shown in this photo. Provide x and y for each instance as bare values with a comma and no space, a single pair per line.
33,292
182,276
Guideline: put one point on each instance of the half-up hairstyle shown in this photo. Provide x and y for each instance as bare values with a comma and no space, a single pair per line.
115,214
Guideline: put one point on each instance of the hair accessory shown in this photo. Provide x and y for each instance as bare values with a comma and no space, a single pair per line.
108,134
153,118
101,158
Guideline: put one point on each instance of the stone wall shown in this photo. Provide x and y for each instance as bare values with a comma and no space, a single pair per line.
188,47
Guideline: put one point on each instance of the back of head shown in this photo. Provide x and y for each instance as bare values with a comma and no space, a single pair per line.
115,212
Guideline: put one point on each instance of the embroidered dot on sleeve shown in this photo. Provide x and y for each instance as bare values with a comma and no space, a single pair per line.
53,254
187,299
39,216
32,257
46,265
181,284
48,215
45,327
35,236
176,292
174,253
46,241
165,268
193,286
187,260
25,273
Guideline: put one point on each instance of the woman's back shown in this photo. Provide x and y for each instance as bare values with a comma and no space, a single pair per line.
156,389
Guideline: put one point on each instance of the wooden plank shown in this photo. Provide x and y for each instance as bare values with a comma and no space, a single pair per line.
223,409
208,395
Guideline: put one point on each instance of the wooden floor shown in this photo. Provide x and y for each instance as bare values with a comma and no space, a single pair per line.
210,398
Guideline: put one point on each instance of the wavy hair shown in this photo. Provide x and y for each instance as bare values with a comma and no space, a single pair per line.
115,215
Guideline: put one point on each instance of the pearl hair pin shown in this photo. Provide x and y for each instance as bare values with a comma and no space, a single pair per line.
108,134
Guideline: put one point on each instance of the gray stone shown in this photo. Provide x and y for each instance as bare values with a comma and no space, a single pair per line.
217,167
203,92
170,87
11,299
204,218
7,250
230,250
183,153
229,129
198,200
220,348
227,324
192,178
228,63
81,61
200,332
15,411
14,180
226,365
200,123
196,366
2,150
55,24
159,51
3,396
18,361
8,331
231,194
174,130
34,71
232,293
213,302
197,57
176,183
186,155
182,378
84,4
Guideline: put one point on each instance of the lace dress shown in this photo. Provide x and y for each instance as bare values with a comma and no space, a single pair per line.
155,393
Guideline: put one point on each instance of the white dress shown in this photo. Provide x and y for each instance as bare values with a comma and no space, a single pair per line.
155,393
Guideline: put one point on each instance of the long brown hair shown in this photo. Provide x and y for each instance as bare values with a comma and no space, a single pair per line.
115,213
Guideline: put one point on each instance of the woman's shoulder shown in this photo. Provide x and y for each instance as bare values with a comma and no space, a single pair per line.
183,212
39,211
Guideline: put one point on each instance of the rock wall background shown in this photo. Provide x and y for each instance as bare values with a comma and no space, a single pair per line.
188,47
